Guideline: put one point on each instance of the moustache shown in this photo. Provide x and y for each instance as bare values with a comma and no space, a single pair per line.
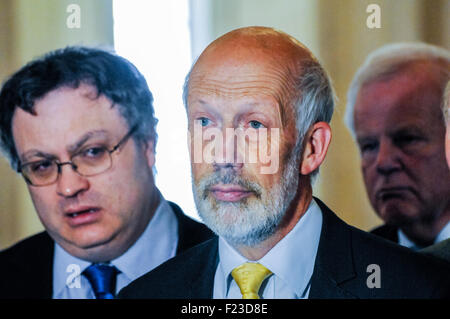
227,178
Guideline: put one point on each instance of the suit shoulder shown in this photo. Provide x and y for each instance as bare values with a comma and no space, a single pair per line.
190,231
193,227
386,231
439,250
27,268
369,246
401,268
365,247
170,279
29,248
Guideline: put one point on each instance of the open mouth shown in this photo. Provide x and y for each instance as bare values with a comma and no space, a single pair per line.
86,211
83,215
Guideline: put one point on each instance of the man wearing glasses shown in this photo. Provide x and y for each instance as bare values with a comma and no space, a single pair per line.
79,125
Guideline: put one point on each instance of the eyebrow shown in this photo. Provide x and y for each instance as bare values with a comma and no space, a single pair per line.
71,148
365,138
248,105
83,139
209,108
408,129
32,153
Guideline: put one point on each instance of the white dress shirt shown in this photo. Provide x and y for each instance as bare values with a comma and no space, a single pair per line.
291,261
157,244
403,240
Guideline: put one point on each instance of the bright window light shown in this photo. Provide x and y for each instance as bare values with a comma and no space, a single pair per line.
154,35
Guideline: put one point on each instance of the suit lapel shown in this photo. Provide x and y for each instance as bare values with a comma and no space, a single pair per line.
387,232
46,254
334,261
190,232
203,273
183,238
325,287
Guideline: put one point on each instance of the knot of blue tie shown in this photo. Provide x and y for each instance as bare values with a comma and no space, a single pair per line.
102,278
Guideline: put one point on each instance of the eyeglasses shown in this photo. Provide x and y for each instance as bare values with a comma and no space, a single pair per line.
92,160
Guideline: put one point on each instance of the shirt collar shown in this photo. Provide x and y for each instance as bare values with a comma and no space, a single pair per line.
297,251
157,244
443,234
64,265
404,240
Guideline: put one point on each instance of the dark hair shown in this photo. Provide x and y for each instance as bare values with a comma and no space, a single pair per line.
111,75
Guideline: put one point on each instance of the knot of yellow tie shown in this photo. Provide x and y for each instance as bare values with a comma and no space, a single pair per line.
249,277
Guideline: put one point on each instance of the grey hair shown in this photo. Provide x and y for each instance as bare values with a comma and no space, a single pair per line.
315,103
315,100
389,59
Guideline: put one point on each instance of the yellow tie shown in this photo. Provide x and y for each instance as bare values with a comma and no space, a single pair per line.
249,277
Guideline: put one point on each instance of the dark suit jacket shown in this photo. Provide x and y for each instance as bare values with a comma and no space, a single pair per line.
26,269
387,232
439,250
340,269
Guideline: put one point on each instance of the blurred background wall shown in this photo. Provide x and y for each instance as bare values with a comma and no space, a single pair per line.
335,30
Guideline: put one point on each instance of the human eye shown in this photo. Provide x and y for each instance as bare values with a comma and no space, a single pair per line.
93,152
256,125
40,167
366,146
406,139
203,121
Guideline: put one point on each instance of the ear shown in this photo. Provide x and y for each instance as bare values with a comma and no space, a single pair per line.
447,144
315,147
150,152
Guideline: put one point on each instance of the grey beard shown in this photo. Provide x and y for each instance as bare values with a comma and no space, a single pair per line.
249,221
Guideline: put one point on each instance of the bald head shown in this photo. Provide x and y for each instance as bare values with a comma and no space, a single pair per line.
281,65
257,42
252,49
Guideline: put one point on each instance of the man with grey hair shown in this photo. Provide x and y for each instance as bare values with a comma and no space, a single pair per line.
393,112
274,239
442,249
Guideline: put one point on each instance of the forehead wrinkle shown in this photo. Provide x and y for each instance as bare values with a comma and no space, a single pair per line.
70,148
277,58
236,92
274,83
415,91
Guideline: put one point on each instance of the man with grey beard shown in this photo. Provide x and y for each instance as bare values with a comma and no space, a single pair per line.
275,240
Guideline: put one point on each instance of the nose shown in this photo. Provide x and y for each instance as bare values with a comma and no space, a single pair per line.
231,156
70,183
231,166
388,158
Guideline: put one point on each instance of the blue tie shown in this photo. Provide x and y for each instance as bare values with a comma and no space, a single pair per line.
103,280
